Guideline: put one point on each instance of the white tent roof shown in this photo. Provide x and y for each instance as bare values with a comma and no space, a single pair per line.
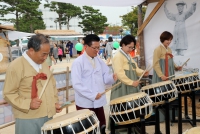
14,35
111,3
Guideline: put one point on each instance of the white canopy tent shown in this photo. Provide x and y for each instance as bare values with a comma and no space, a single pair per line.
111,3
14,35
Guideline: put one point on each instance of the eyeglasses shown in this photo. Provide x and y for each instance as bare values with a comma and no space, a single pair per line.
97,48
130,47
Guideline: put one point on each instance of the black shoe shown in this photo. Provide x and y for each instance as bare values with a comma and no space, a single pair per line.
103,129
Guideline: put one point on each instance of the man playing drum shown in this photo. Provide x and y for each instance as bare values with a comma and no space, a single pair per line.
25,78
89,75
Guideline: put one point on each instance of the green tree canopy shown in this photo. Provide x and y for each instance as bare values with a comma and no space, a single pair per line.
65,12
132,18
92,20
59,8
20,8
71,12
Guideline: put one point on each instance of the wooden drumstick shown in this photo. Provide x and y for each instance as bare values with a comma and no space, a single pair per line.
65,104
45,85
170,76
111,88
143,73
150,69
185,62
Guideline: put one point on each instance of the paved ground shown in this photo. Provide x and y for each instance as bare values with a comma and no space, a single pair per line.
149,129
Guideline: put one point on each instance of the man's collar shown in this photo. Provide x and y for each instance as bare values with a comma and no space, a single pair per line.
31,62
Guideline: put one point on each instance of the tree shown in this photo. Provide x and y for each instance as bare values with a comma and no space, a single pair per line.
31,23
92,20
65,12
71,12
18,8
132,18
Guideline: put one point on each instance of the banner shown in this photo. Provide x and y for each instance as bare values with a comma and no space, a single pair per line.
182,19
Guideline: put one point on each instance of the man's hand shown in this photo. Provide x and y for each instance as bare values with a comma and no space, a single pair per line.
58,107
135,83
163,77
98,96
35,103
146,73
115,77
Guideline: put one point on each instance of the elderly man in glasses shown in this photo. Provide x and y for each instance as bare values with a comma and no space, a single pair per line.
89,75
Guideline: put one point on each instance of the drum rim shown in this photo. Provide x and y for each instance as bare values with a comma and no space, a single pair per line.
131,110
186,75
156,84
133,120
190,131
130,97
174,90
49,125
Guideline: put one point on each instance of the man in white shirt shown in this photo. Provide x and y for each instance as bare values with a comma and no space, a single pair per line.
89,75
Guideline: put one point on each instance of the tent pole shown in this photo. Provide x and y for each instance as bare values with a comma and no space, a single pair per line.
141,38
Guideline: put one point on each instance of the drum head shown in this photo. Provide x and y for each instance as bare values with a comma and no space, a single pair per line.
194,130
67,119
1,57
180,76
128,98
156,85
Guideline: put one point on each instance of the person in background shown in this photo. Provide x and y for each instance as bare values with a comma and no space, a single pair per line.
83,40
50,58
67,54
89,75
55,52
60,53
78,52
108,49
70,46
28,75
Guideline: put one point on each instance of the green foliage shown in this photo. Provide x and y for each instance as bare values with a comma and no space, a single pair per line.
65,12
92,20
59,8
132,17
30,24
71,12
19,8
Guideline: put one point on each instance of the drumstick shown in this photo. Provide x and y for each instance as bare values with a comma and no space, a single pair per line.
150,69
65,104
185,62
170,76
144,72
45,85
111,88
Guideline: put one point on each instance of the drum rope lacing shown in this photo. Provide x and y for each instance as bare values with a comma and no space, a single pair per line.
97,121
83,125
93,128
72,127
51,130
61,129
114,109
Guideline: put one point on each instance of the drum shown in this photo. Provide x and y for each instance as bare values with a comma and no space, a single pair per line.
4,55
127,109
194,130
158,92
186,82
81,121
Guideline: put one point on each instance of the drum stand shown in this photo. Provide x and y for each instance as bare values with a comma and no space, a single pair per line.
187,118
129,126
167,118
